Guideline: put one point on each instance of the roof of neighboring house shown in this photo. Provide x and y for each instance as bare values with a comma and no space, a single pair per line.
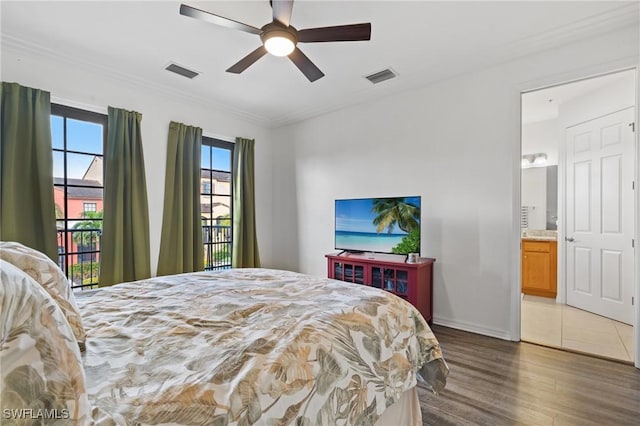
219,176
94,171
82,191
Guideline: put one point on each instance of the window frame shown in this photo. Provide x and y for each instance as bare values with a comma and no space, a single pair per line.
208,246
67,112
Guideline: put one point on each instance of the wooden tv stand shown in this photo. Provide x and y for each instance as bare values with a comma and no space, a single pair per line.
410,281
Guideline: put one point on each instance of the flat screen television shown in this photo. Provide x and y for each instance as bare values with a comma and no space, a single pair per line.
379,225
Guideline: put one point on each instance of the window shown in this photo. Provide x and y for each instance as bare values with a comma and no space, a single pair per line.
215,203
78,138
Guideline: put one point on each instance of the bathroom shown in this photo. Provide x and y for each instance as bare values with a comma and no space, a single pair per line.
573,190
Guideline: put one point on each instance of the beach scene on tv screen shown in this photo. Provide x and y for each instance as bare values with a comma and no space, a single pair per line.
383,225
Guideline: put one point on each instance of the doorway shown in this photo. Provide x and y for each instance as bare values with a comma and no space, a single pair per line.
577,216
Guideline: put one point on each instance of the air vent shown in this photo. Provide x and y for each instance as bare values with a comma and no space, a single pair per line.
181,71
381,76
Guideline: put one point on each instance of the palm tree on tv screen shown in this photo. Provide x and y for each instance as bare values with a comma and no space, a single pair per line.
395,211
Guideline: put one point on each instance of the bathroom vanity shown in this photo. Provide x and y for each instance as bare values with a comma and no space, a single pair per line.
539,263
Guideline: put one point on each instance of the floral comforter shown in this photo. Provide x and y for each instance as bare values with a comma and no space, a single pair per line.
251,346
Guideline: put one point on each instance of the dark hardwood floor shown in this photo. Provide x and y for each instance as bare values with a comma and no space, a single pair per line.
497,382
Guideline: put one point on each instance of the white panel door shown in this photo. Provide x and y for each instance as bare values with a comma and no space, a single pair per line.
599,216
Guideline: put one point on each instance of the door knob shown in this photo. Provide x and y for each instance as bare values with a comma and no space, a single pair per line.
570,239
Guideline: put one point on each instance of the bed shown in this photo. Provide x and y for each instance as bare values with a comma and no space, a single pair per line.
240,346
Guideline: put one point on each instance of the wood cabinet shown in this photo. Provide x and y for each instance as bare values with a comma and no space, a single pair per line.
410,281
539,267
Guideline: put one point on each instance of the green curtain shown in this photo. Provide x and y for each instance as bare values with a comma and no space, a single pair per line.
125,234
27,212
181,241
245,243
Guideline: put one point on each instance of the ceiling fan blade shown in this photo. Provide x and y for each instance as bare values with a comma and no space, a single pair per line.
282,11
218,20
354,32
305,65
248,60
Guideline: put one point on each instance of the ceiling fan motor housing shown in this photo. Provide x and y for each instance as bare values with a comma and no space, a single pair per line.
276,29
281,39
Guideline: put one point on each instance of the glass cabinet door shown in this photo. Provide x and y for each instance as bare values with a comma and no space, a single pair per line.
337,271
376,277
348,272
358,274
402,282
389,279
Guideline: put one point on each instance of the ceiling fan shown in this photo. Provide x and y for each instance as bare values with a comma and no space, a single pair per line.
280,39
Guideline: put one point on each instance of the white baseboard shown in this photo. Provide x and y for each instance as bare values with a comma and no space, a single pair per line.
473,328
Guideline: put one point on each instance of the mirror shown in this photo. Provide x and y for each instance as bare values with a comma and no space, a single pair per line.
552,197
540,198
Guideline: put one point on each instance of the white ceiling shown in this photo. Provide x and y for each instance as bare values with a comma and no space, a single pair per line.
422,41
544,104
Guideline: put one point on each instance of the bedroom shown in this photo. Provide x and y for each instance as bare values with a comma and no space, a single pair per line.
447,132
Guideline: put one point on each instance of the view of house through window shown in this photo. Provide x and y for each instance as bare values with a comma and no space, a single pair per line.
77,138
215,203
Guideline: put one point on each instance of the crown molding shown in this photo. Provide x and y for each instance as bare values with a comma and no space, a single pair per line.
18,45
615,19
593,26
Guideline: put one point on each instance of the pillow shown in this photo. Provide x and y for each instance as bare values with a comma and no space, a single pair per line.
42,378
46,273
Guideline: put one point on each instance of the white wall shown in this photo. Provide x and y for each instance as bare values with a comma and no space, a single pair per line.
534,196
456,143
541,136
607,99
90,89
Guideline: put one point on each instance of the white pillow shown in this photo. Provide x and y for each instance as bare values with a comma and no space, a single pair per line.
42,375
46,273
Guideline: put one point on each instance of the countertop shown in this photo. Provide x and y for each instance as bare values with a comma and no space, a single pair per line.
539,239
539,235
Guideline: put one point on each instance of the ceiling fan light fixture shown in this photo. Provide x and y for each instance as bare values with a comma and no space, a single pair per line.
279,42
279,38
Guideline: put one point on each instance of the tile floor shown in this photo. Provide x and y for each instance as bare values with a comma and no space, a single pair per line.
547,323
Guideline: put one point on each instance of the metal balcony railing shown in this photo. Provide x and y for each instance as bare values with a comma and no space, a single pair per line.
216,239
79,256
79,251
